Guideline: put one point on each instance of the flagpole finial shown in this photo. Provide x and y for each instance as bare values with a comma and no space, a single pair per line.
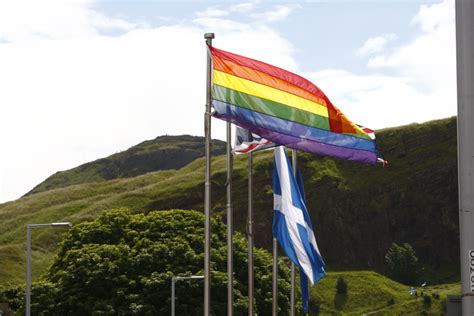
209,35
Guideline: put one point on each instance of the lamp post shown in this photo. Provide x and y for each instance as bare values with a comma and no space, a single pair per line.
28,259
173,282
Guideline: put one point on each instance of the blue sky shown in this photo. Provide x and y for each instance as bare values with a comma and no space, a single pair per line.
83,79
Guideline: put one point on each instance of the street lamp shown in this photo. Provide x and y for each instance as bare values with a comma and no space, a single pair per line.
176,279
28,259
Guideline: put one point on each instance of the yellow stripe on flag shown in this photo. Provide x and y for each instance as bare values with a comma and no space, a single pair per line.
266,92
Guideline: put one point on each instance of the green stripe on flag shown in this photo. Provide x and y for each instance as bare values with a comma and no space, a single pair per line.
268,107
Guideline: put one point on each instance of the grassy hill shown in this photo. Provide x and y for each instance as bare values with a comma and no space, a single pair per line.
161,153
357,210
370,293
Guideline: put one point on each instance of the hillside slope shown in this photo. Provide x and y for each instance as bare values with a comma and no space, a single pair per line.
369,293
161,153
357,210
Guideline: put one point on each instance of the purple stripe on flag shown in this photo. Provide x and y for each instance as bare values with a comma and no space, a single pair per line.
249,121
284,126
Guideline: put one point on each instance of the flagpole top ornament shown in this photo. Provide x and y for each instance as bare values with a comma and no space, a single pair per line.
209,35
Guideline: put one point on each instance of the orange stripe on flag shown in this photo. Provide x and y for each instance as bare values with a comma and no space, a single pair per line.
261,77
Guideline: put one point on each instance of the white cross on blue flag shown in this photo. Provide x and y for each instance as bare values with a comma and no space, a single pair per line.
292,226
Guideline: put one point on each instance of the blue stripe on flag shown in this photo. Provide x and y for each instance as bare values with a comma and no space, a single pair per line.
273,123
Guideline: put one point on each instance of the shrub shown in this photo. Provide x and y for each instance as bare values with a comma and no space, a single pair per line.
122,264
402,263
341,285
427,300
391,301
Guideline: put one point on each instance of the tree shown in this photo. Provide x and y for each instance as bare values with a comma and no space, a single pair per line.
402,263
341,285
122,264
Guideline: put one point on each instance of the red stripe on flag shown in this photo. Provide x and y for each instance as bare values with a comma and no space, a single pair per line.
270,70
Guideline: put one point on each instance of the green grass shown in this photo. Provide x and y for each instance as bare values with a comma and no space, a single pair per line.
162,153
78,203
370,292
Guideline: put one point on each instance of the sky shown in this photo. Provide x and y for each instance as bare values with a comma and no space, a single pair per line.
81,80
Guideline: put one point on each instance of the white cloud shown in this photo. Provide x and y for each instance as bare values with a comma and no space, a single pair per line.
26,20
277,13
430,58
212,13
247,39
244,7
416,82
223,11
375,44
432,17
71,94
220,24
379,101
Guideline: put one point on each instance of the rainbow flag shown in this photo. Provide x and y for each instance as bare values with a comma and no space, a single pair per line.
284,108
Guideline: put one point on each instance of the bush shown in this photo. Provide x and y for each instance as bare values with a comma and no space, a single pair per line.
427,300
391,301
14,296
341,285
122,264
402,263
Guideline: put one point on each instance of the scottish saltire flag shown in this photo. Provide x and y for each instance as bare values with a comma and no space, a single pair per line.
291,223
284,108
246,142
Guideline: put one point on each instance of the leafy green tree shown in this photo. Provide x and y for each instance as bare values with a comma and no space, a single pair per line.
122,264
403,263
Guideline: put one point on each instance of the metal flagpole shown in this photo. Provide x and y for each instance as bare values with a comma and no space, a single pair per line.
230,229
293,270
275,279
173,306
465,81
207,185
28,270
250,233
